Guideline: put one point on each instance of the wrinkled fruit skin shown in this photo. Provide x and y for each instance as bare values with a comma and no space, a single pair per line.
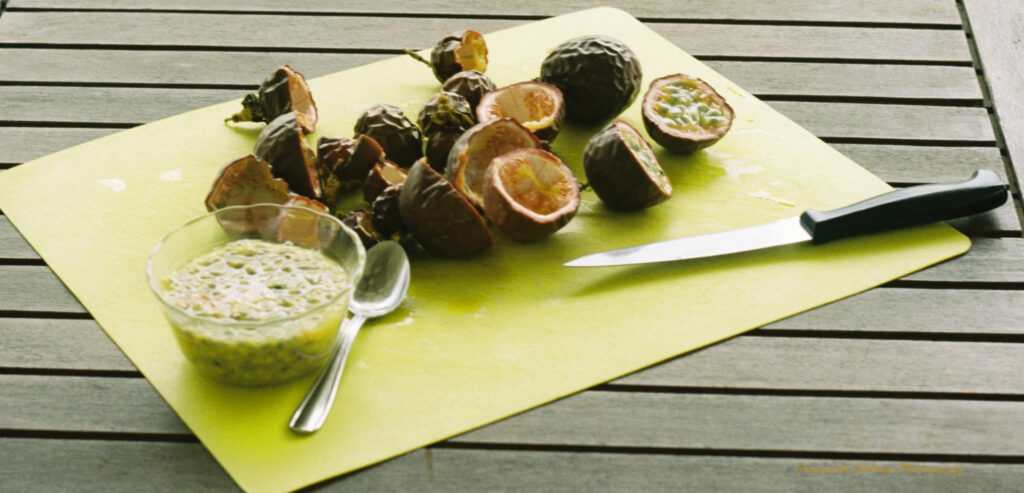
614,173
283,144
446,60
445,111
599,76
439,217
386,216
677,141
399,137
470,84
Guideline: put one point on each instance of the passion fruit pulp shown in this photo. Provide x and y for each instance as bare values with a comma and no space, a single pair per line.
598,75
473,152
683,113
283,144
538,106
529,194
439,216
622,169
463,50
284,91
400,138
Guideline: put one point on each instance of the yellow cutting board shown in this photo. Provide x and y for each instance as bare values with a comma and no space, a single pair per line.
483,338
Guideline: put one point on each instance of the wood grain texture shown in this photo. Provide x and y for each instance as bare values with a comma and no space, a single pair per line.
868,11
31,288
46,29
59,344
21,144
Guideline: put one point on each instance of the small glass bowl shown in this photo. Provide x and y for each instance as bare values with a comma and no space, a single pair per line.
265,351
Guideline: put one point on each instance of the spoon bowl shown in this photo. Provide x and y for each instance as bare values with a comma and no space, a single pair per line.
382,288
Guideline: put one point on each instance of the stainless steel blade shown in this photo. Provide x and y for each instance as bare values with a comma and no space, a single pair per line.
782,232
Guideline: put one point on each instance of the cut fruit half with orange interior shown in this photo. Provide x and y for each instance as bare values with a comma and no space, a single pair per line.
529,194
537,105
472,153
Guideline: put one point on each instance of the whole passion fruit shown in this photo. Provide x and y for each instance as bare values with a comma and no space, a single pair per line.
529,194
684,113
463,50
598,75
473,152
283,144
622,169
284,91
400,138
538,106
439,216
470,84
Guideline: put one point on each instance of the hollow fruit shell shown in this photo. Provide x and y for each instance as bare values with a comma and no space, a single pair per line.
286,90
538,106
439,216
684,141
282,143
622,169
463,50
529,194
473,151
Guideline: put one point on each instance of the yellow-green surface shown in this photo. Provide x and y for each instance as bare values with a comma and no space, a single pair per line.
478,339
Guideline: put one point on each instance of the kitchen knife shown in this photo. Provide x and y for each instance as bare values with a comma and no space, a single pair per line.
910,206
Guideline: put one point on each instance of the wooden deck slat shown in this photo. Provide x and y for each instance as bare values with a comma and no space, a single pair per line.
22,144
599,418
59,344
869,11
35,65
87,466
48,29
127,106
31,288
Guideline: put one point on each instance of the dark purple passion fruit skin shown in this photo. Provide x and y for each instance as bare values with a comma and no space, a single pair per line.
439,217
442,57
445,111
674,140
276,98
470,84
617,176
400,138
598,75
283,144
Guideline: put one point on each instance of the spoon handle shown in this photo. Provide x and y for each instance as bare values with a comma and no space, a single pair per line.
311,414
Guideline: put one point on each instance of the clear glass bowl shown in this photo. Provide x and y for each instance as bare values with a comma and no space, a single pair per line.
259,350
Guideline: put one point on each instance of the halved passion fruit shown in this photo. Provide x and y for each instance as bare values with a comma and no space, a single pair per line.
381,176
463,50
284,91
439,216
529,194
244,181
283,144
684,113
473,152
622,169
537,105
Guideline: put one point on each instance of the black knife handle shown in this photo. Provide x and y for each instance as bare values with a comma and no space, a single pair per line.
910,206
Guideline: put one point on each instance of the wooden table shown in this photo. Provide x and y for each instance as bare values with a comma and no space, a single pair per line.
925,370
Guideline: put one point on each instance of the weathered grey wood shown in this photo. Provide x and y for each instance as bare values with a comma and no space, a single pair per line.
395,33
873,11
1002,221
21,144
133,105
30,288
990,260
916,311
34,65
156,466
12,244
998,30
920,164
59,344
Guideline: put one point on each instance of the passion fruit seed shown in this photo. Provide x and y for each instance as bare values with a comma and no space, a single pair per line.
381,176
683,113
622,169
598,75
439,216
470,84
445,111
283,144
284,91
463,50
529,194
399,137
472,153
538,106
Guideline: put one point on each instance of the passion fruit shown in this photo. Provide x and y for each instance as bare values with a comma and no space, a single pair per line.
439,216
298,227
284,91
683,113
386,216
283,144
439,146
622,169
529,194
244,181
381,176
473,152
456,52
361,221
445,111
539,106
470,84
598,75
400,138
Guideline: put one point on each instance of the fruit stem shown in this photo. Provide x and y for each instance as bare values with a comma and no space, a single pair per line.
252,110
418,58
